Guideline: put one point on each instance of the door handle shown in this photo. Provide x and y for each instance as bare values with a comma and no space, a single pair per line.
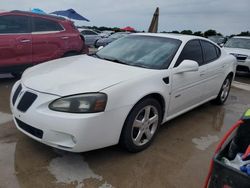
25,40
202,73
64,38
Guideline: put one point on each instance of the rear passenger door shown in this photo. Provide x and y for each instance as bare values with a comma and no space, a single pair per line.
47,40
212,69
15,41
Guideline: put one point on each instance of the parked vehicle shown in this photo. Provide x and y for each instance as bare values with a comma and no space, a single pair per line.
27,39
240,48
107,33
122,94
111,38
220,40
90,36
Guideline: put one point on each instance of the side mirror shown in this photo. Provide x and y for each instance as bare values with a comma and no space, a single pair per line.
187,66
100,47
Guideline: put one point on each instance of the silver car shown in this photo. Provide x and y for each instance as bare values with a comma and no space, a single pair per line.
90,36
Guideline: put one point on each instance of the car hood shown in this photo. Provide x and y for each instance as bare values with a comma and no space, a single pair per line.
237,51
78,74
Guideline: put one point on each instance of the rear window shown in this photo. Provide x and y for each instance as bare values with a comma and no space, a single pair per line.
14,24
43,25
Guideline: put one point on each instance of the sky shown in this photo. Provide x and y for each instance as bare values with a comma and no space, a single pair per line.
224,16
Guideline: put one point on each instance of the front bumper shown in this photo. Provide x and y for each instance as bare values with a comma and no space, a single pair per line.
67,131
243,65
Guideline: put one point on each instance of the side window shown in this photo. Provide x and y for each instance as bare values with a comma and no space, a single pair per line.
210,51
42,25
84,32
87,32
191,51
14,24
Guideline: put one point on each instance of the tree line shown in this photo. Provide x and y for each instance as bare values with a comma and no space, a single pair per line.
207,33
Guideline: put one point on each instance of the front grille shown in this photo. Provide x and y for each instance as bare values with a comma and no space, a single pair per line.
16,93
26,101
242,68
32,130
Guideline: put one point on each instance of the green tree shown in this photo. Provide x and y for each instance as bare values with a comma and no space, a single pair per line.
210,32
175,31
244,33
198,33
187,32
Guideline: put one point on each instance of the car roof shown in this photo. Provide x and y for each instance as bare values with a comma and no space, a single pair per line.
35,14
241,37
181,37
84,29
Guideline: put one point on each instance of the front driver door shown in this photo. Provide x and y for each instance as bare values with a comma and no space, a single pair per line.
186,87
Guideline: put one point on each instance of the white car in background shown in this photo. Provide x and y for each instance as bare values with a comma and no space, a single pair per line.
122,94
240,48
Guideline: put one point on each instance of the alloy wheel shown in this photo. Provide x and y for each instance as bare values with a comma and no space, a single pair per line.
144,125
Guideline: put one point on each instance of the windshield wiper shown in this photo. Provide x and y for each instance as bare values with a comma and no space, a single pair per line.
116,60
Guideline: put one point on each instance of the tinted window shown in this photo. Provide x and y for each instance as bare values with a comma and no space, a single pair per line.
41,24
87,32
209,51
192,51
14,24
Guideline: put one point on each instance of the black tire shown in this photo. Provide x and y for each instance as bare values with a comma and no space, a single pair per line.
148,127
17,75
220,99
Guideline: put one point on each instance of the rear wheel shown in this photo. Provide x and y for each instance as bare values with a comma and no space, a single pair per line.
224,91
141,125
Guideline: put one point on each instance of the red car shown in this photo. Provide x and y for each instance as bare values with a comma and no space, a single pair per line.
27,39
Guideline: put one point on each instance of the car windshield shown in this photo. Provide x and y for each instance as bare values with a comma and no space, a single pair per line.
238,43
142,51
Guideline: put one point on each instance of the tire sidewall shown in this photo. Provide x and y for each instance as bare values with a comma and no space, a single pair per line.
126,138
218,99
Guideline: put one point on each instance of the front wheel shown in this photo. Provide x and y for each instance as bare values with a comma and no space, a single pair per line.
224,91
141,125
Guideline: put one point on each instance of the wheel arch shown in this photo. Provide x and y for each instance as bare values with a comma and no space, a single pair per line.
158,97
231,75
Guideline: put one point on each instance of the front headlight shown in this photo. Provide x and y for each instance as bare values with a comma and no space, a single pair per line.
82,103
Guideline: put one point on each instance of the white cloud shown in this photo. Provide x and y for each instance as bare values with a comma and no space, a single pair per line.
226,16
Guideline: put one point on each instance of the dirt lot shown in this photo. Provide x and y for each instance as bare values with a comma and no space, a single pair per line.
178,158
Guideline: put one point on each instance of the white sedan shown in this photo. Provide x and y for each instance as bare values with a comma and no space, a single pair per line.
240,48
122,94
